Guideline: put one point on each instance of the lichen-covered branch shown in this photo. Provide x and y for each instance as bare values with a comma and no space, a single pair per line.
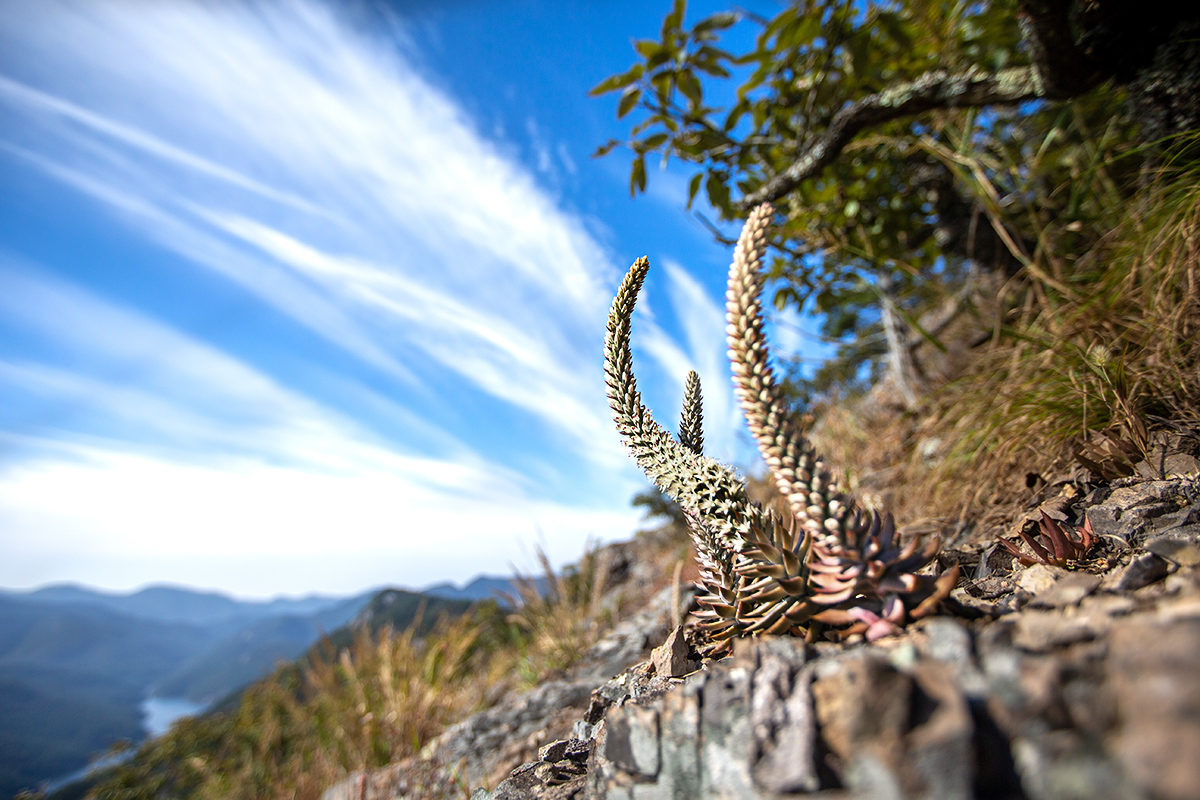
1063,69
933,90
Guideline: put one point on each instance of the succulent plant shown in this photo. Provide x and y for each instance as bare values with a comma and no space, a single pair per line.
724,523
1059,544
761,572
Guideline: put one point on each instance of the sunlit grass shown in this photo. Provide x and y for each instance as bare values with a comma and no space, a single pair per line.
562,616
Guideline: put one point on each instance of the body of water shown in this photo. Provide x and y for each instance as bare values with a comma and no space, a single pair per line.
159,712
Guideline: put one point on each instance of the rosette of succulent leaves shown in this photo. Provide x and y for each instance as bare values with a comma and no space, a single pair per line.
826,563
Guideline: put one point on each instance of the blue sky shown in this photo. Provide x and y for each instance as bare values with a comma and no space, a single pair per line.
309,297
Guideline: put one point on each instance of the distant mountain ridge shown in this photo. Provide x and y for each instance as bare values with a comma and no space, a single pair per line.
484,587
72,677
249,652
169,603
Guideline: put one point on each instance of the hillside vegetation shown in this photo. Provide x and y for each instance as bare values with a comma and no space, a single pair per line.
369,694
1099,376
1033,401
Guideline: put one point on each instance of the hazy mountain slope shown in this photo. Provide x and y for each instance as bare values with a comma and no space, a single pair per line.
94,641
250,653
76,664
400,609
336,616
240,659
71,678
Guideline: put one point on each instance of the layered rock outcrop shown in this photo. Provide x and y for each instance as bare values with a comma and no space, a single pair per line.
1038,683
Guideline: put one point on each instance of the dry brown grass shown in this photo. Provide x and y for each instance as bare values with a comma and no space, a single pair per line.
563,616
1082,369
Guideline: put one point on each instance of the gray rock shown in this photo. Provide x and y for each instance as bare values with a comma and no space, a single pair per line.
670,659
950,642
1152,667
1089,691
1041,631
784,725
738,729
1068,590
1164,464
1039,578
515,725
558,774
897,734
1130,513
1107,523
1143,571
1179,547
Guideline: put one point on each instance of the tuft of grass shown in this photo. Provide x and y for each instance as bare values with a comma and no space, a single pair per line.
1083,378
562,615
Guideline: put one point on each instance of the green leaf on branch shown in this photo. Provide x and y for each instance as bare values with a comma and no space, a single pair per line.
614,82
648,48
717,22
693,188
653,141
605,148
628,101
926,191
663,83
673,20
637,175
718,193
690,86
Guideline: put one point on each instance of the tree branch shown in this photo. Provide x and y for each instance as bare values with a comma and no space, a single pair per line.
937,89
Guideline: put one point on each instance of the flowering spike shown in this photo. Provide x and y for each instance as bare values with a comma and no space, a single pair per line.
691,424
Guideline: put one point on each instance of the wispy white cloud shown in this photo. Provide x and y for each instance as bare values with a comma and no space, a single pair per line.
312,109
564,156
31,99
266,474
129,367
284,529
485,346
164,224
309,163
